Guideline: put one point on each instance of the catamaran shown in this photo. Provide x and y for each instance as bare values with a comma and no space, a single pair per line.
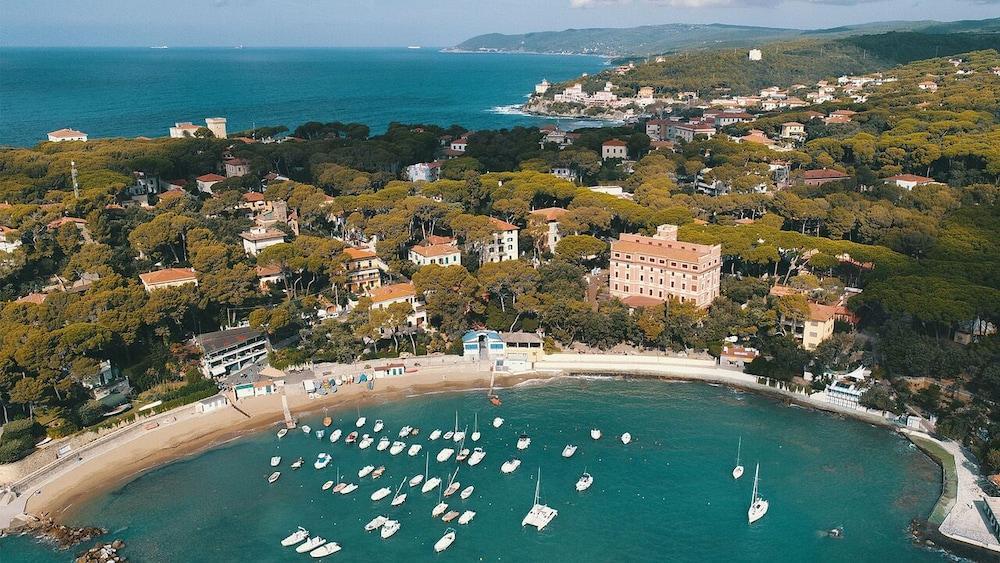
414,450
467,492
497,422
310,544
335,435
276,461
586,480
445,454
738,470
381,494
399,499
379,425
405,431
523,442
475,430
389,528
446,540
477,456
466,517
595,433
569,450
296,537
324,550
273,477
383,444
758,506
626,438
397,447
434,435
376,523
540,515
453,485
510,465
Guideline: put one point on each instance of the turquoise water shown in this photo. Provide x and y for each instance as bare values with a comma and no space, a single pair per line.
131,92
668,496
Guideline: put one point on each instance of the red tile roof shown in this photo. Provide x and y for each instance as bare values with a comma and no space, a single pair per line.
549,213
168,275
210,178
824,174
502,225
392,292
911,178
614,143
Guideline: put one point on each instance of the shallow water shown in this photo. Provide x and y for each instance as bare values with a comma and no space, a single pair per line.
666,496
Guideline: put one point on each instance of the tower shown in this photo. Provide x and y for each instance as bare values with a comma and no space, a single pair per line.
217,125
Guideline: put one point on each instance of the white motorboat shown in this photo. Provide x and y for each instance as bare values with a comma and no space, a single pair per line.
348,489
416,479
310,544
365,442
389,528
273,477
399,499
434,435
414,450
430,484
626,438
298,463
585,481
569,450
335,435
364,471
523,442
383,444
322,460
450,515
466,517
738,470
379,425
324,550
497,422
320,433
306,429
758,506
595,433
448,434
467,492
405,431
296,537
540,515
328,485
445,454
446,540
381,494
276,461
376,523
477,456
351,438
282,433
439,509
360,422
397,448
475,430
510,465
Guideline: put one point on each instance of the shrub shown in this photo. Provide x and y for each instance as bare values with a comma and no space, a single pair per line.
23,428
12,450
90,413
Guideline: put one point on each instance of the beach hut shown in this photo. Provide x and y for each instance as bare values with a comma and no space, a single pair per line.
211,404
483,345
389,370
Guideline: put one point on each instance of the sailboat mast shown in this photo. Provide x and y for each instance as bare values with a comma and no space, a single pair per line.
756,472
538,484
427,464
739,446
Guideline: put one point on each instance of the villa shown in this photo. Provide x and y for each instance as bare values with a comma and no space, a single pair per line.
614,148
61,135
364,269
168,277
206,181
504,243
228,351
549,215
443,254
259,238
910,181
384,296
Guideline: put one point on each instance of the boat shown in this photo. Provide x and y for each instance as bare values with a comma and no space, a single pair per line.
595,433
399,499
327,421
626,438
298,536
414,431
405,431
758,506
360,422
365,471
430,484
276,461
306,429
376,523
310,544
416,479
379,425
378,472
322,460
585,481
282,433
475,430
340,484
320,434
414,450
381,493
348,489
467,492
434,435
497,422
445,454
448,435
462,454
477,456
466,517
389,528
458,435
273,477
569,450
453,485
335,435
366,441
440,507
450,515
328,485
495,400
383,444
738,470
397,448
446,540
540,515
324,550
510,465
351,438
413,46
523,442
298,463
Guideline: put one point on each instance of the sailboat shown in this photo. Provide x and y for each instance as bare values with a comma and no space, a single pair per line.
440,507
399,499
738,470
475,430
361,420
340,484
453,485
418,478
463,452
540,515
429,484
758,506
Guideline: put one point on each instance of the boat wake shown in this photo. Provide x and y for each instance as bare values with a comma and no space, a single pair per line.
512,109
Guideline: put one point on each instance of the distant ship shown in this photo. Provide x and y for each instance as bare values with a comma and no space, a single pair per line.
159,47
413,47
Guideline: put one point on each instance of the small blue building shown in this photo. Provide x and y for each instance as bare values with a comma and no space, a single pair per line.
483,345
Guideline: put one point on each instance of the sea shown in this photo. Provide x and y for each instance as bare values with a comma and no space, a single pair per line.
129,92
667,496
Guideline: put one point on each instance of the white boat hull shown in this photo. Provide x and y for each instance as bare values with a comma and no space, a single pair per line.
737,472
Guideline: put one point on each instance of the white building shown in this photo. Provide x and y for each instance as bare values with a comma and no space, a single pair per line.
688,131
460,144
550,216
227,351
542,87
384,296
183,129
211,404
846,389
168,277
614,148
446,254
909,181
259,238
217,125
206,181
236,167
61,135
564,172
504,243
424,172
755,55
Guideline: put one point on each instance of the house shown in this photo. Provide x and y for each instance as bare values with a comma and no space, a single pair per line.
554,135
9,241
277,212
736,356
384,296
256,389
460,144
206,181
817,326
688,131
424,172
217,125
389,370
483,345
928,85
143,185
61,135
836,119
820,177
614,191
236,167
228,351
660,267
183,129
550,216
34,298
723,118
846,389
269,276
168,277
172,194
614,148
755,55
564,172
504,243
259,238
444,254
909,181
522,350
211,404
254,202
657,129
792,129
542,87
757,136
363,269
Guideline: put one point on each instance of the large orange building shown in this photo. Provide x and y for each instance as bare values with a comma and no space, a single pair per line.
653,269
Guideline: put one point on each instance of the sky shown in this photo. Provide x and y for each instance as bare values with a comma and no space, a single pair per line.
438,23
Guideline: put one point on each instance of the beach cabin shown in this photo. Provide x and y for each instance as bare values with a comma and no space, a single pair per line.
211,404
481,345
389,370
523,349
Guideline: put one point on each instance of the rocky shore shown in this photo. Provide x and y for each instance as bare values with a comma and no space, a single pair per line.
46,530
103,553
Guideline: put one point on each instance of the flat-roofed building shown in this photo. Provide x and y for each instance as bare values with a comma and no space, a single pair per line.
660,267
228,351
259,238
168,277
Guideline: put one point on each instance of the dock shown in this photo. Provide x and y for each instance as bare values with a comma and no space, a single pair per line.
289,421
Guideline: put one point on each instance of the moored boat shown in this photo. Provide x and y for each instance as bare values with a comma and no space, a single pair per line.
298,463
306,429
430,484
467,492
626,438
320,433
445,454
738,470
585,481
405,431
466,517
450,515
381,494
322,460
758,506
475,430
298,536
399,499
383,444
378,472
365,442
523,441
497,422
379,425
327,421
540,514
282,433
414,450
462,454
389,528
348,489
376,523
397,448
273,477
439,509
328,485
477,456
510,465
365,471
351,438
434,435
416,479
325,550
569,450
360,422
310,544
275,461
446,540
595,433
335,435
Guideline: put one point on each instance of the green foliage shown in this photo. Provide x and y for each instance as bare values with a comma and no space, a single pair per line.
15,449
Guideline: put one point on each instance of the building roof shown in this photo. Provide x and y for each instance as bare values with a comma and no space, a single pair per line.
35,298
66,133
823,174
210,178
63,220
393,292
359,253
235,161
267,271
911,178
614,143
252,197
212,342
258,235
438,239
683,251
521,338
792,124
740,352
434,250
636,301
822,313
549,213
502,225
172,193
168,275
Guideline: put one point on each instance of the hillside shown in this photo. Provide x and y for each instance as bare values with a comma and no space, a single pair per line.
657,39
